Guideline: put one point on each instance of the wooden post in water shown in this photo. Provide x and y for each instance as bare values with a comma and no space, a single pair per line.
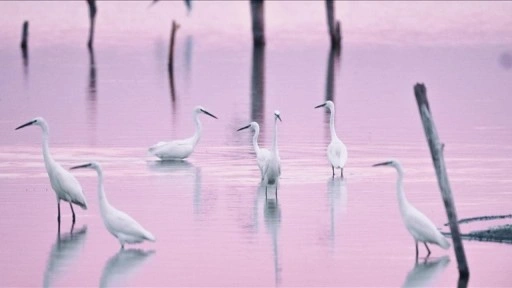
333,25
258,22
92,18
437,150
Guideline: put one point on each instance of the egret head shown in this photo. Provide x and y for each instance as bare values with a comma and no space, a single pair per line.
392,163
200,109
253,125
277,114
328,104
39,121
92,165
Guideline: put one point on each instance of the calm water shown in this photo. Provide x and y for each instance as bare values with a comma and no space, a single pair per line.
213,225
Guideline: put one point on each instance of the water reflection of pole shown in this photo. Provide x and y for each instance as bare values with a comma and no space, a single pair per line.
170,64
258,86
333,65
189,45
273,222
24,47
92,90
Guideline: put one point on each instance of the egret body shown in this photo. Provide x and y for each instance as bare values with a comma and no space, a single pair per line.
262,154
180,149
272,168
418,225
336,151
118,223
64,184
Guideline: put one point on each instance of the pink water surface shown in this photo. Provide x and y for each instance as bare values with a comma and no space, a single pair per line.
209,214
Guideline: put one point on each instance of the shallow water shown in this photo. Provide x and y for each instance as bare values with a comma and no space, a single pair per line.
213,225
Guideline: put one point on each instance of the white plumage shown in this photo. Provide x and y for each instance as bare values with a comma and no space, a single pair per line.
64,184
262,154
337,153
118,223
418,225
180,149
272,167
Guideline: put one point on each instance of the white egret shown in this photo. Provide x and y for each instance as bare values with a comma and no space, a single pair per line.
418,225
180,149
272,168
64,184
336,151
118,223
262,154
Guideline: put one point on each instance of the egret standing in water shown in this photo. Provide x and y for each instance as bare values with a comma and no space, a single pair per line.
262,154
64,184
118,223
420,227
272,168
180,149
336,151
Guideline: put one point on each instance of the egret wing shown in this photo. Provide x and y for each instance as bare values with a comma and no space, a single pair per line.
419,224
68,186
122,223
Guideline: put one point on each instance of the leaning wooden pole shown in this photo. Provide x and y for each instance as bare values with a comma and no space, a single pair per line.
172,40
333,25
92,18
436,149
258,22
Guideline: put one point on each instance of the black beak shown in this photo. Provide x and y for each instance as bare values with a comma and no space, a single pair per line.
279,117
382,164
245,127
26,124
209,114
321,105
81,166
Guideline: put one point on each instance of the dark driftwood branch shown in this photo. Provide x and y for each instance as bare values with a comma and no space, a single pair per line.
92,18
258,22
436,151
333,25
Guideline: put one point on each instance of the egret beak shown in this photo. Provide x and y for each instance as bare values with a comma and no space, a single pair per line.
382,164
245,127
321,105
81,166
279,117
209,114
26,124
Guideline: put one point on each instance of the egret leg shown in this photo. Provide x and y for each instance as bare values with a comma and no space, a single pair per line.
341,173
266,188
426,246
72,227
58,211
416,250
73,211
332,171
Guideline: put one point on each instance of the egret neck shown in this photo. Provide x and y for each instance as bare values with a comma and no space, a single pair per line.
197,134
255,139
331,125
101,192
402,200
48,160
274,140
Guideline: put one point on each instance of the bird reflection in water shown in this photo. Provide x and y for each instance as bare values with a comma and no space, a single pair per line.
424,273
65,249
179,167
337,196
273,223
120,266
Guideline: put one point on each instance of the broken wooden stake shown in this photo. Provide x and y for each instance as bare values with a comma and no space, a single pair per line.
92,18
258,22
333,25
436,151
